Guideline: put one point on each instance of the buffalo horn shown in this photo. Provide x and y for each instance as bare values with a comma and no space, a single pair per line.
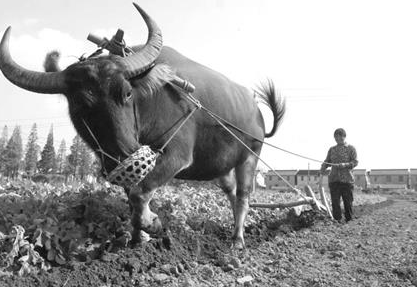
38,82
143,59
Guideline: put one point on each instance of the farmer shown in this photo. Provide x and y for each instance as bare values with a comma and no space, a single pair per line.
342,159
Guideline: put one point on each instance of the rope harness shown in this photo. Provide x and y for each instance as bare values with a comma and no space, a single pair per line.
132,170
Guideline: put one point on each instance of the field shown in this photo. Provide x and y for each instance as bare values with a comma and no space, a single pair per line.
79,236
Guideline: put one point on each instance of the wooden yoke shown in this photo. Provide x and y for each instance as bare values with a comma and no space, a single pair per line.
117,46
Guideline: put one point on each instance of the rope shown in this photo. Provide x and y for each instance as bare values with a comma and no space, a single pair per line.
299,155
215,117
262,141
161,150
99,147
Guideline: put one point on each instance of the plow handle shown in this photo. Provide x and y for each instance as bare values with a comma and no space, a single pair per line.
95,39
187,86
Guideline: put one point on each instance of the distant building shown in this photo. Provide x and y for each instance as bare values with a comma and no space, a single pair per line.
377,178
298,178
389,178
311,177
272,181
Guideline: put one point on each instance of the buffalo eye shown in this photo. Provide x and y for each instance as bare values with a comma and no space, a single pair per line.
128,96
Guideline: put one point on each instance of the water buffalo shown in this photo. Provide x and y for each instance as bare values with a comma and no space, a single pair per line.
130,101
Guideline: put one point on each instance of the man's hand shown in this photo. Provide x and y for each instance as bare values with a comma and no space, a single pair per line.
342,165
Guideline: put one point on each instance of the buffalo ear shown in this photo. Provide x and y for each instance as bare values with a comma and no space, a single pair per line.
51,61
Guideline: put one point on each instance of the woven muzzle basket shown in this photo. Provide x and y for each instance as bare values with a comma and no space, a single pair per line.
133,169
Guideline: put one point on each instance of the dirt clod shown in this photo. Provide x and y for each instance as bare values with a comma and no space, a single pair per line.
244,279
228,267
235,262
207,272
161,277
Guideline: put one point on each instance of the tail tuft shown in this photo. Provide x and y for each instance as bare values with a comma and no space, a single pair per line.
269,96
51,62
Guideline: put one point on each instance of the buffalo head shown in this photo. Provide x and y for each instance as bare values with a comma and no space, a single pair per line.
100,92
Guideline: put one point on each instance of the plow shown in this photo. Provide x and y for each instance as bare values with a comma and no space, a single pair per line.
310,199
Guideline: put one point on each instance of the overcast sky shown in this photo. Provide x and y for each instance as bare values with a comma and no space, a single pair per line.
350,64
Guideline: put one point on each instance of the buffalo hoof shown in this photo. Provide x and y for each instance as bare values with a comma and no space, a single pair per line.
238,244
139,237
155,228
136,238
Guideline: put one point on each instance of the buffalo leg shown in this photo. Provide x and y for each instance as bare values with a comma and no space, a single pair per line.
167,166
142,216
228,185
244,178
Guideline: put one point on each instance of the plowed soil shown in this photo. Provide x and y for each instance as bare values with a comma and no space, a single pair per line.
378,248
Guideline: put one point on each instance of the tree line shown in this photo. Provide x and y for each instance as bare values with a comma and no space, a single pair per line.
31,160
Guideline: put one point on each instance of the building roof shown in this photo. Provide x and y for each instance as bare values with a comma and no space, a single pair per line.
359,171
312,172
283,172
389,171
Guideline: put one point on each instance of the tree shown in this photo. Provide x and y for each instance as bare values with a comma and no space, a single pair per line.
86,165
47,163
12,154
80,160
61,158
74,158
3,142
96,166
3,139
32,151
